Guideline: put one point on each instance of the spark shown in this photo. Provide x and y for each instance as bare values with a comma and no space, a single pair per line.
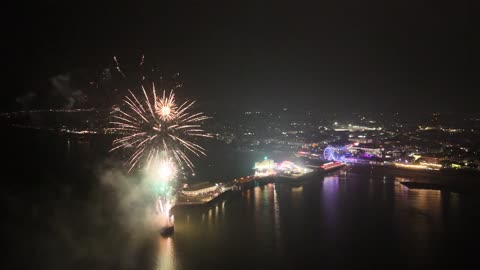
166,170
167,107
142,60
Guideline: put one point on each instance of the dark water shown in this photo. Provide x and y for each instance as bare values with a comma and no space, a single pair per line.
67,206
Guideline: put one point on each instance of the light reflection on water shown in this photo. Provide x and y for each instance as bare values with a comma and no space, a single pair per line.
276,213
80,224
166,256
355,210
330,195
420,216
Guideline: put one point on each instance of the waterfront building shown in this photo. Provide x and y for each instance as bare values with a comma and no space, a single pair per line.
200,188
370,149
265,167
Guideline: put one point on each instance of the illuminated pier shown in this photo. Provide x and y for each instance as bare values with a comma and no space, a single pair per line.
266,171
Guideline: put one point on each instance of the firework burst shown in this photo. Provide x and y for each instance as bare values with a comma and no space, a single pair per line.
154,126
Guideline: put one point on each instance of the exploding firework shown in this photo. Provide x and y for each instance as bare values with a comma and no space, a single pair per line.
155,126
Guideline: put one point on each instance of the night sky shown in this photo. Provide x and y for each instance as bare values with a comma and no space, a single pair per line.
333,56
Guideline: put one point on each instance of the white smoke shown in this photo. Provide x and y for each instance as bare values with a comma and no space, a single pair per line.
27,99
108,229
62,86
61,93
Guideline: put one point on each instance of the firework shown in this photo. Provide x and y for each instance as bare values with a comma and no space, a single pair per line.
162,173
166,170
155,126
117,66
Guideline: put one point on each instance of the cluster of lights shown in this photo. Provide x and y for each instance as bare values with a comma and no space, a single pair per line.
269,168
64,130
410,166
49,110
421,166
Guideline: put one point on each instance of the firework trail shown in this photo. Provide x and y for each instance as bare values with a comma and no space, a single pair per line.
117,66
154,126
164,172
142,60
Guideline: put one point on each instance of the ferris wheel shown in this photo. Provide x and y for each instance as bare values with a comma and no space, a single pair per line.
331,153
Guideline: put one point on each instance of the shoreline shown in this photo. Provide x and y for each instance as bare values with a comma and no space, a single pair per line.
465,182
462,182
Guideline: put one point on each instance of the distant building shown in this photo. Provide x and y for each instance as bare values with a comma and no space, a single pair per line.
361,140
368,148
431,159
397,153
264,164
354,128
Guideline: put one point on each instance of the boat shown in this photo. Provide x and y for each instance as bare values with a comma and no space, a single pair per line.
168,228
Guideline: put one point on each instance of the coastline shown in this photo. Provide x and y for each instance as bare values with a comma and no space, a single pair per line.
465,182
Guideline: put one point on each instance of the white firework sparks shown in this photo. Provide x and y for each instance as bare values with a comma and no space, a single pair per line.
166,170
166,107
153,125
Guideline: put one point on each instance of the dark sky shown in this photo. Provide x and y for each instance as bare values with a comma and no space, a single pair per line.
329,55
